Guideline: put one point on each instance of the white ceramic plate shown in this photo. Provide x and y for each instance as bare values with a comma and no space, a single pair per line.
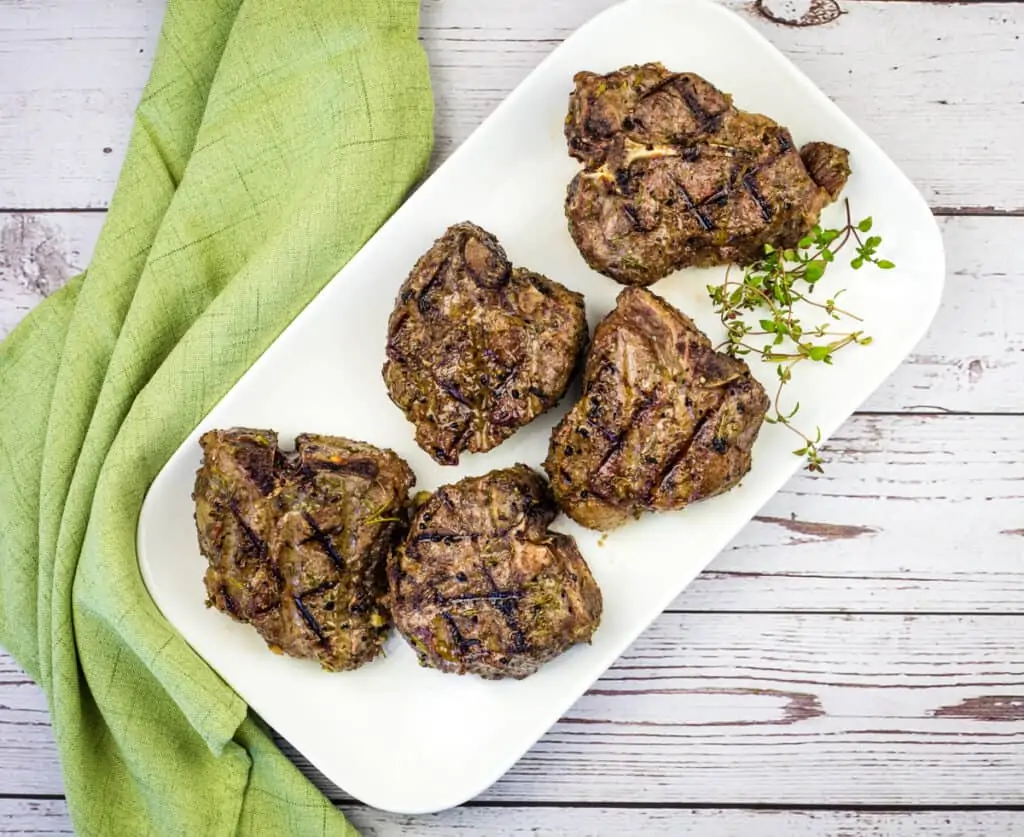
408,739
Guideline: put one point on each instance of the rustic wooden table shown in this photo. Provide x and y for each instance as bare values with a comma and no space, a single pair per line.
854,662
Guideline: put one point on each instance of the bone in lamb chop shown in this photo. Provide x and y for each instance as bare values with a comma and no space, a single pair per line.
675,176
481,585
297,544
664,420
476,348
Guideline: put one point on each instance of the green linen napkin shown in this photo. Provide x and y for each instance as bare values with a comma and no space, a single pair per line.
274,137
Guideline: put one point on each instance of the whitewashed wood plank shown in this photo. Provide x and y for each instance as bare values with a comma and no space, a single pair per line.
794,710
739,709
35,817
686,822
916,90
920,514
971,361
38,254
49,817
28,754
69,80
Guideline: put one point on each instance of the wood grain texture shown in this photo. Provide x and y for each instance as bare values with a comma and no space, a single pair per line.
795,709
70,76
35,817
736,709
612,822
914,513
49,817
917,514
971,361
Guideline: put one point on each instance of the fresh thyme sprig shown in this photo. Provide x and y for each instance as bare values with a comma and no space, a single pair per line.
770,289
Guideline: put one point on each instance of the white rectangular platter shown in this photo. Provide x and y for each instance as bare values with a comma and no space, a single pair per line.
408,739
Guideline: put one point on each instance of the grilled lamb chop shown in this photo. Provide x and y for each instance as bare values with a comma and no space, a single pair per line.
676,176
298,544
664,420
481,586
477,349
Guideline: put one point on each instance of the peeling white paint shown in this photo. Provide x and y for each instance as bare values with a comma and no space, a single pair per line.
35,255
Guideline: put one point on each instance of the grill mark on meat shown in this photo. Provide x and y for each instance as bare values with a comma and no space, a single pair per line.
643,406
461,642
705,223
751,187
320,588
257,542
262,550
658,483
665,82
477,316
687,117
507,607
320,537
502,592
720,197
263,478
310,620
259,573
708,122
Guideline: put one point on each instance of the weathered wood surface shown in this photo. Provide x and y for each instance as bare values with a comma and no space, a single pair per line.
605,822
48,818
972,360
740,694
38,254
733,709
909,73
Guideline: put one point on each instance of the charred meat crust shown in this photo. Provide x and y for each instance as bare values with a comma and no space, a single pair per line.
481,586
664,421
476,348
297,544
675,176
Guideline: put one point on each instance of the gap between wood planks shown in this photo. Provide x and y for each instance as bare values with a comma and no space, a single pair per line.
49,818
628,805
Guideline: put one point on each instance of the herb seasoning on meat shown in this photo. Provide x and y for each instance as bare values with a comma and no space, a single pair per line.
481,586
476,348
297,544
664,420
676,176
